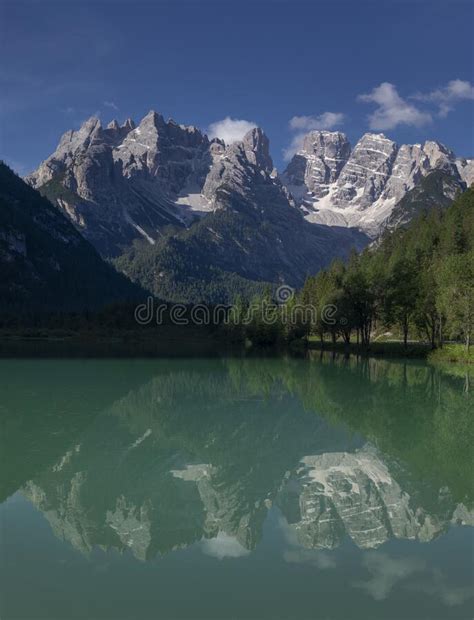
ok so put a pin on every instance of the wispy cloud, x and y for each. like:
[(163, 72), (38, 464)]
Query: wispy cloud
[(303, 124), (448, 96), (230, 129), (111, 104), (321, 559), (223, 546), (326, 120), (387, 572), (408, 573), (392, 110)]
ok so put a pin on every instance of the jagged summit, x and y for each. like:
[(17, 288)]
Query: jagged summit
[(338, 185), (126, 181), (257, 149), (129, 124), (317, 164), (122, 182)]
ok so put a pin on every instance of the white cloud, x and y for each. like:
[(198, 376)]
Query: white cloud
[(447, 96), (438, 586), (327, 120), (295, 145), (230, 129), (320, 559), (386, 573), (111, 104), (408, 573), (392, 109), (303, 124), (223, 546), (295, 553)]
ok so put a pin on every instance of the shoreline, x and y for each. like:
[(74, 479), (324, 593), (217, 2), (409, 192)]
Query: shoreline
[(452, 353), (193, 343)]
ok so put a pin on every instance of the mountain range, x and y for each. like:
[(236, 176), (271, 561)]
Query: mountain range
[(191, 219), (363, 186)]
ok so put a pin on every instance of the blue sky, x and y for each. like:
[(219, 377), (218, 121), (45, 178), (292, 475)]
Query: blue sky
[(401, 67)]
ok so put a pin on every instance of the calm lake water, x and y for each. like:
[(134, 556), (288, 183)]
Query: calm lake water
[(235, 488)]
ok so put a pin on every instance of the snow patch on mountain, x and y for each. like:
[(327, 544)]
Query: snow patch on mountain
[(127, 182), (336, 186)]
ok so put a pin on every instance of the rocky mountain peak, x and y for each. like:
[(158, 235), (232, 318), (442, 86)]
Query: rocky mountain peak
[(376, 142), (336, 186), (366, 172), (318, 163), (257, 149), (124, 181), (129, 124), (439, 156), (90, 124), (72, 140), (152, 119), (114, 133), (317, 141), (466, 170)]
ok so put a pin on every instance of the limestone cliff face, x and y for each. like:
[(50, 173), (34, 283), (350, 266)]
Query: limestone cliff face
[(222, 212), (155, 180), (361, 188), (335, 495), (123, 182)]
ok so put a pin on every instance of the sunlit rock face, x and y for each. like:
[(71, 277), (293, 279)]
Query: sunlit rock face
[(318, 164), (224, 206), (335, 495), (337, 186), (124, 182), (152, 181), (129, 182)]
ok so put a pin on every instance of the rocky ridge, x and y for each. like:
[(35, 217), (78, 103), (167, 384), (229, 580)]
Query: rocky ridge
[(254, 234), (126, 182), (339, 186)]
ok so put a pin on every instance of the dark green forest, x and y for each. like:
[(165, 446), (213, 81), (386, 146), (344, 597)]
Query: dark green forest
[(46, 265), (416, 283)]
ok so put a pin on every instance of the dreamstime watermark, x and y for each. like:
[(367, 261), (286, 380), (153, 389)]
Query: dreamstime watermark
[(277, 310)]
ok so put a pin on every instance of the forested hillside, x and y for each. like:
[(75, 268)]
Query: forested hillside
[(45, 264), (417, 282)]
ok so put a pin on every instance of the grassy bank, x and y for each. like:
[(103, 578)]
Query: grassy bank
[(449, 353), (452, 353)]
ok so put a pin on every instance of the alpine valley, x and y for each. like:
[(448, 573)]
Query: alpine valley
[(192, 219)]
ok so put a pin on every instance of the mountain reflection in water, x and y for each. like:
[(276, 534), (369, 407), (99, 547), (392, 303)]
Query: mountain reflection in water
[(154, 456)]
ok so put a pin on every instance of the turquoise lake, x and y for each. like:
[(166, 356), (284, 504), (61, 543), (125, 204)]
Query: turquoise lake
[(240, 488)]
